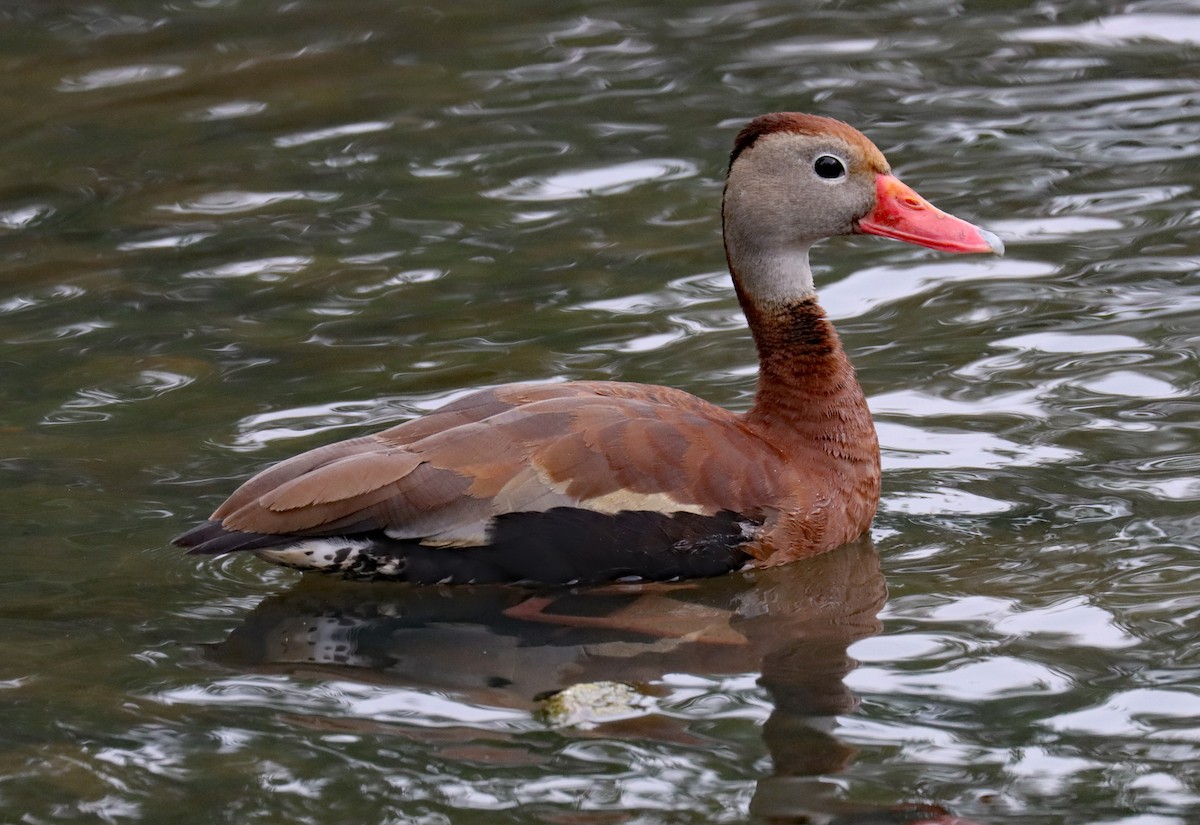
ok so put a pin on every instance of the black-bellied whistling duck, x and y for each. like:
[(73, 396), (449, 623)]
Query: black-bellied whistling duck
[(594, 481)]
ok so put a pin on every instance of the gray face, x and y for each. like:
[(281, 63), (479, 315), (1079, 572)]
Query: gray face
[(785, 193)]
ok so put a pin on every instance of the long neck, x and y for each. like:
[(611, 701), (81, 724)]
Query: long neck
[(805, 378), (807, 390), (810, 406)]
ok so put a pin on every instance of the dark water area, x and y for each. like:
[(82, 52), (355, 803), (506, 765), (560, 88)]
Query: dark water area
[(230, 231)]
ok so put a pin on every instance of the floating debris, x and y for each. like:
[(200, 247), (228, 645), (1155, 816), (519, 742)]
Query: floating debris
[(591, 703)]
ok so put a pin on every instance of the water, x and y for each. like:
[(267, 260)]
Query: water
[(233, 230)]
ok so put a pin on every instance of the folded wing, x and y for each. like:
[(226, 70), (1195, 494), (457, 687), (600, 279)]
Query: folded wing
[(443, 480)]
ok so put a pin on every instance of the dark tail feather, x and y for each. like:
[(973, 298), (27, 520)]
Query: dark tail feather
[(210, 538)]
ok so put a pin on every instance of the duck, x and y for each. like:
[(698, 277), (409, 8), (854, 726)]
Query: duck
[(589, 482)]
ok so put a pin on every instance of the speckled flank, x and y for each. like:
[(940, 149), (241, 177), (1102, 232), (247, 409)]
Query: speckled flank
[(353, 558)]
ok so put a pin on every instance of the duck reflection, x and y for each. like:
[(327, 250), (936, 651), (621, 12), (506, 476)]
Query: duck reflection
[(509, 647)]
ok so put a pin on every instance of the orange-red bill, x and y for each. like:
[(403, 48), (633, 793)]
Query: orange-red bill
[(902, 214)]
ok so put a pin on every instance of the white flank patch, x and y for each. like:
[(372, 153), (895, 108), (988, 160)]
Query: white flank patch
[(615, 502), (624, 500), (316, 554)]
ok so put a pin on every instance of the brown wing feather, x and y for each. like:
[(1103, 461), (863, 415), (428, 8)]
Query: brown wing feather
[(518, 448), (296, 466), (342, 479)]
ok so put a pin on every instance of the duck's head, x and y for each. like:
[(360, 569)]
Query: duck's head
[(795, 179)]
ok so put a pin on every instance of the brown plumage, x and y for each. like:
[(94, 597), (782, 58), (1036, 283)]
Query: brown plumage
[(592, 481)]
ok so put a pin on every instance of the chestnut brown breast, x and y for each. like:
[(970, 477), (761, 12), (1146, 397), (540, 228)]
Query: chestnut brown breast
[(594, 481)]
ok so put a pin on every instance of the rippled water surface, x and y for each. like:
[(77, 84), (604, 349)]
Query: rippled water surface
[(233, 230)]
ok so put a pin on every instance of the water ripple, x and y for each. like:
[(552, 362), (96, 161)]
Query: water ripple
[(233, 202), (263, 269), (1130, 714), (118, 76), (1118, 30), (604, 180), (331, 133)]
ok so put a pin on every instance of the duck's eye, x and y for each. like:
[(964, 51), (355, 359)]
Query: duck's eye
[(829, 167)]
